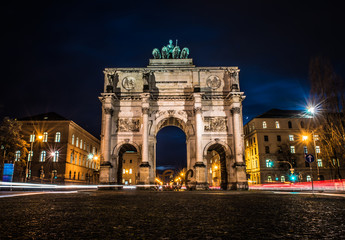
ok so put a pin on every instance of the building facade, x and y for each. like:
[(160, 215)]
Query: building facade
[(60, 151), (205, 102), (278, 141)]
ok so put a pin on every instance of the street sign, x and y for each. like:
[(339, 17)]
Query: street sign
[(309, 158), (8, 172)]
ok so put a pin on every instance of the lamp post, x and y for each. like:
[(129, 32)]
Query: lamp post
[(305, 138), (312, 111), (28, 164)]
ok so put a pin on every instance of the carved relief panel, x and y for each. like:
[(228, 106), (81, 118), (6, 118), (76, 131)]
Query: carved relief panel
[(128, 125), (215, 124)]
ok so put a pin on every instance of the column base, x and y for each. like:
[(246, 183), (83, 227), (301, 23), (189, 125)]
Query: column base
[(238, 186), (104, 175), (144, 173), (200, 176)]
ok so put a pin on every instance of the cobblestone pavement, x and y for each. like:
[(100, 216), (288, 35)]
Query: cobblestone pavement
[(172, 215)]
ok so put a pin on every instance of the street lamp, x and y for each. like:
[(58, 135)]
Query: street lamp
[(312, 110), (28, 164)]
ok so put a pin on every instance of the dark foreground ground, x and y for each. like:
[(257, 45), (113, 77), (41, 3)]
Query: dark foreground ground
[(172, 215)]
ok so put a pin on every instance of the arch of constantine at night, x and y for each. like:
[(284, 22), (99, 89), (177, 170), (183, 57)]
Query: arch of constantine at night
[(205, 102)]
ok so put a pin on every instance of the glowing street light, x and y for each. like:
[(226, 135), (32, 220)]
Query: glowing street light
[(311, 110), (304, 138)]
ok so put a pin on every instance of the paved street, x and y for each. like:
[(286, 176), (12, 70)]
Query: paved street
[(172, 215)]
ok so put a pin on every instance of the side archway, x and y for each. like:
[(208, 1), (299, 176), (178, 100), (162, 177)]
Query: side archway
[(127, 159), (217, 155)]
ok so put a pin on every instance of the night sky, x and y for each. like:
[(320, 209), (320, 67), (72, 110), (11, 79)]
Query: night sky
[(54, 53)]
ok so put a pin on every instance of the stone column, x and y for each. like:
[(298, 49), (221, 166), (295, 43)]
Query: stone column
[(145, 165), (106, 165), (145, 148), (241, 178), (200, 167), (198, 135)]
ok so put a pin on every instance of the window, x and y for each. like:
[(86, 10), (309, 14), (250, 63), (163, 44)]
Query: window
[(73, 139), (210, 170), (130, 180), (57, 137), (17, 156), (267, 149), (302, 124), (81, 143), (269, 179), (77, 142), (277, 124), (289, 124), (130, 161), (71, 157), (266, 138), (130, 171), (247, 144), (76, 158), (93, 150), (282, 178), (254, 139), (70, 174), (319, 162), (317, 149), (30, 155), (32, 137), (124, 161), (45, 137), (264, 124), (123, 171), (43, 156), (316, 137), (79, 159), (308, 178), (279, 138), (292, 149), (253, 126), (291, 138), (269, 163), (85, 145), (305, 149), (56, 156)]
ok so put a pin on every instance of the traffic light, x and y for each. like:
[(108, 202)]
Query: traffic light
[(293, 177)]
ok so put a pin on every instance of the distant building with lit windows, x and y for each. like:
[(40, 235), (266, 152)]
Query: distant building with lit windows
[(130, 168), (274, 143), (62, 151)]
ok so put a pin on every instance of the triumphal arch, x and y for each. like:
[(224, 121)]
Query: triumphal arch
[(205, 102)]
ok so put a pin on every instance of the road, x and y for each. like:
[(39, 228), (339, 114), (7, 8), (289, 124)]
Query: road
[(135, 214)]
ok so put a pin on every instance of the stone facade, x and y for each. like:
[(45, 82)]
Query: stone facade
[(66, 154), (205, 102)]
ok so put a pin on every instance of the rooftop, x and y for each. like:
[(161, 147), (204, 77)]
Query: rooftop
[(51, 116), (278, 113)]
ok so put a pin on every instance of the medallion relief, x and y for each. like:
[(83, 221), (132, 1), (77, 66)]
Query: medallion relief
[(128, 125), (213, 82), (128, 83), (215, 124)]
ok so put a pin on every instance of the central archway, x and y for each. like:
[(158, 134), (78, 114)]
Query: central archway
[(171, 145), (171, 152)]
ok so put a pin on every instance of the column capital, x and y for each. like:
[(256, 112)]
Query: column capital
[(236, 110), (108, 111), (145, 110), (197, 110)]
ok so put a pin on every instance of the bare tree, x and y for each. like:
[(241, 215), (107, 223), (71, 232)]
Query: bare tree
[(328, 95)]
